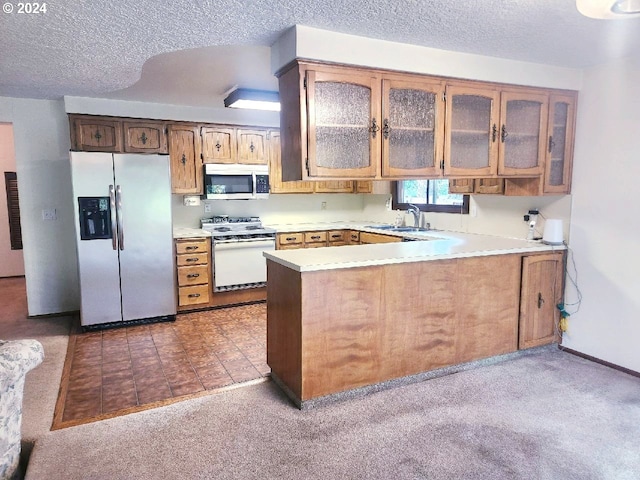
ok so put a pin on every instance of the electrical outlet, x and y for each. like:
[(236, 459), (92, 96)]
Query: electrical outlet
[(207, 207), (49, 214), (323, 206)]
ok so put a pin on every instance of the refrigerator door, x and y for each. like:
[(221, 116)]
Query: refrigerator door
[(147, 270), (98, 268)]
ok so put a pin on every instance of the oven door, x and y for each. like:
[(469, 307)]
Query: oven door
[(240, 263)]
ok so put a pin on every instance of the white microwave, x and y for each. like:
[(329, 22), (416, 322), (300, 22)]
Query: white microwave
[(236, 182)]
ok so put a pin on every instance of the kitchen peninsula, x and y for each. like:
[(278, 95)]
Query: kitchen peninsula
[(345, 317)]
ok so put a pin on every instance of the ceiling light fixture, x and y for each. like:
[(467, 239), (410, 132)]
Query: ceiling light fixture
[(609, 9), (253, 99)]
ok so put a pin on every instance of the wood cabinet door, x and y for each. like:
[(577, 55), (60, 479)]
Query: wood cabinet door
[(461, 185), (559, 156), (219, 145), (493, 186), (471, 131), (363, 186), (541, 291), (412, 128), (276, 185), (343, 114), (97, 134), (523, 133), (252, 147), (334, 186), (145, 137), (186, 164)]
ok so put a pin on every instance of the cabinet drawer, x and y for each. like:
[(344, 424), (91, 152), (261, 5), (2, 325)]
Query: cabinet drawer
[(337, 236), (192, 259), (290, 238), (195, 275), (354, 237), (291, 246), (193, 295), (314, 237), (193, 246)]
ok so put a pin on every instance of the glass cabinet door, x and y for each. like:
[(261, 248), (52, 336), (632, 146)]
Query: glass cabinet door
[(557, 178), (412, 128), (343, 124), (522, 133), (471, 145)]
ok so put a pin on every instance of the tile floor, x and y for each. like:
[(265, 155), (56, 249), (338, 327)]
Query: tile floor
[(117, 369)]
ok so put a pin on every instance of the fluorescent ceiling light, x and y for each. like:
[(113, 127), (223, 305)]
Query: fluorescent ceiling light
[(253, 99), (609, 9)]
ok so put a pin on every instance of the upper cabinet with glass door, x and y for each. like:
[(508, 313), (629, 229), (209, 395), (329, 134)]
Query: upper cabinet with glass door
[(412, 127), (523, 129), (557, 175), (356, 123), (471, 134), (344, 124)]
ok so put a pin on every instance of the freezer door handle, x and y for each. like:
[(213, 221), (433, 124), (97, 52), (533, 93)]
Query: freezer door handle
[(119, 216), (114, 228)]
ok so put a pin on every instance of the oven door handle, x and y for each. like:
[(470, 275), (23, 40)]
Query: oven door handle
[(242, 240), (234, 245)]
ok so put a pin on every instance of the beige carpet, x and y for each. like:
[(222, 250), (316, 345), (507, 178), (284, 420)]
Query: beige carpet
[(548, 415), (42, 383)]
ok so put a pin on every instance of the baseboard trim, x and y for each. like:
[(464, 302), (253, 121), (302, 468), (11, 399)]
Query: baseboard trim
[(600, 361)]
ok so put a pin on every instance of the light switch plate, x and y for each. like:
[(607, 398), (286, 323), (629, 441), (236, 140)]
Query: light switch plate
[(49, 214)]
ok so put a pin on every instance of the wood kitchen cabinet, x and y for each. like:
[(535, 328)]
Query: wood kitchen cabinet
[(219, 144), (95, 134), (493, 132), (252, 146), (193, 272), (367, 237), (145, 137), (561, 131), (493, 186), (184, 154), (275, 171), (358, 123), (541, 290)]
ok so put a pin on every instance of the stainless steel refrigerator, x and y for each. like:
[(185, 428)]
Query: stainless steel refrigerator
[(124, 238)]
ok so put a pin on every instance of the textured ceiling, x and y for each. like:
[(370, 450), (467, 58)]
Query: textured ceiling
[(79, 47)]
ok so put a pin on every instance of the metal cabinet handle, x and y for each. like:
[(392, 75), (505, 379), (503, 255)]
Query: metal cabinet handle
[(194, 295), (494, 133), (315, 237), (290, 239), (374, 128), (195, 259), (504, 133), (551, 143), (336, 236), (386, 128), (192, 248), (540, 300), (193, 275)]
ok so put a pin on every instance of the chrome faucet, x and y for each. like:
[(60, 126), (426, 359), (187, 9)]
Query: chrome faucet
[(415, 211)]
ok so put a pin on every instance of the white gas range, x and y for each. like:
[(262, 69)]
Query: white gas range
[(237, 245)]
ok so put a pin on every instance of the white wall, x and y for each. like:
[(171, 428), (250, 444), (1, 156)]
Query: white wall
[(41, 136), (605, 229), (12, 262), (313, 43), (494, 214)]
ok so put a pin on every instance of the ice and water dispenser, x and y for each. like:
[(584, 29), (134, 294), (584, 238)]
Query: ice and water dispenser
[(95, 218)]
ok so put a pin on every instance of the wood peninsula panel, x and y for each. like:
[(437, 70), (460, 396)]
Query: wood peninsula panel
[(284, 329), (361, 326)]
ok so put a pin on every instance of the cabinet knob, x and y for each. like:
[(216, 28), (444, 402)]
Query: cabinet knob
[(551, 143)]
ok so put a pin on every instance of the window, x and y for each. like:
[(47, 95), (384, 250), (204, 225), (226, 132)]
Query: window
[(429, 196), (15, 232)]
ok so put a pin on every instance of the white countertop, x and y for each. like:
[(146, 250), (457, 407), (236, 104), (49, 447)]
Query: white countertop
[(437, 245), (184, 232)]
